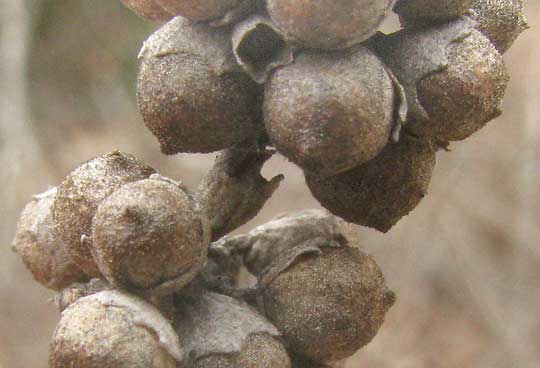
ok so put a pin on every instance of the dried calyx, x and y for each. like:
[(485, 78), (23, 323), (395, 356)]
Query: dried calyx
[(111, 329), (150, 236), (191, 93), (218, 331), (453, 77), (234, 191), (41, 250), (331, 111), (80, 194)]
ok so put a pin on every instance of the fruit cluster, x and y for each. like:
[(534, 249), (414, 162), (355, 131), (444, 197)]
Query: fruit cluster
[(146, 272), (362, 113)]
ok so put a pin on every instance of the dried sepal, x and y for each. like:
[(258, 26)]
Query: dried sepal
[(260, 48), (380, 192), (222, 11), (502, 21), (41, 250), (191, 93), (111, 329), (453, 77), (234, 191), (148, 9), (218, 331), (80, 194), (78, 290), (150, 236), (328, 24), (415, 12), (330, 111)]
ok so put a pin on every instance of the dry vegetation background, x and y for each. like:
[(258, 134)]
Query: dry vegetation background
[(465, 264)]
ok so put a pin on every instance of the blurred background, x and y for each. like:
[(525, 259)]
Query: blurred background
[(465, 265)]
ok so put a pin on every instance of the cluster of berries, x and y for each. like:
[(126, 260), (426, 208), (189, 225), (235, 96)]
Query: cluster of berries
[(141, 285), (361, 112), (146, 274)]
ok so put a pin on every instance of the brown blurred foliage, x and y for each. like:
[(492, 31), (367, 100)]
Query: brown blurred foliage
[(465, 265)]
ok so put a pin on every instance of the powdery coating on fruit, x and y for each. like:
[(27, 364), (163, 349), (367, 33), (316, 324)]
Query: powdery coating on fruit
[(80, 194), (328, 306), (148, 9), (330, 111), (42, 252), (147, 233), (437, 10), (200, 10), (218, 325), (113, 330), (465, 96), (502, 21), (379, 193), (269, 241), (191, 93), (259, 47), (328, 24)]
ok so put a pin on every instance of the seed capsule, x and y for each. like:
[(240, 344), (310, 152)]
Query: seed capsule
[(42, 252), (150, 235), (202, 10), (453, 77), (380, 192), (329, 112), (328, 24), (80, 194), (327, 298), (114, 330), (422, 11), (221, 332), (192, 95), (148, 9), (502, 21)]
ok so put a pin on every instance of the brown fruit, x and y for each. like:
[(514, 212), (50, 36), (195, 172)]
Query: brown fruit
[(201, 10), (192, 95), (328, 24), (150, 235), (80, 194), (380, 192), (149, 9), (42, 252), (330, 111), (326, 305), (502, 21), (420, 11), (453, 77), (114, 330), (221, 332)]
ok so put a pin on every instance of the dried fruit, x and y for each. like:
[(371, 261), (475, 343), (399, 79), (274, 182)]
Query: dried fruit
[(149, 9), (191, 93), (453, 77), (380, 192), (111, 329), (150, 235), (326, 298), (330, 111), (502, 21), (420, 11), (221, 332), (202, 10), (42, 252), (80, 194), (328, 24)]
